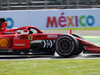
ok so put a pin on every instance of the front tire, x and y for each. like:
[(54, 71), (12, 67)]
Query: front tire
[(66, 45), (81, 47)]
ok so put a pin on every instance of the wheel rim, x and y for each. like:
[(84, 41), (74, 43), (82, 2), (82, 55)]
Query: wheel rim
[(64, 45)]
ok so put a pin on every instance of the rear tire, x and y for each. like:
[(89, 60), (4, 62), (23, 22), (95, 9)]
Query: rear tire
[(66, 45)]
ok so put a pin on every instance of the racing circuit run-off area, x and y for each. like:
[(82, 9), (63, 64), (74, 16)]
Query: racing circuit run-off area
[(30, 40)]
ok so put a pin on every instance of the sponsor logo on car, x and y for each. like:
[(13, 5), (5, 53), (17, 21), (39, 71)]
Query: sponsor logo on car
[(52, 36), (19, 44), (4, 42), (30, 37)]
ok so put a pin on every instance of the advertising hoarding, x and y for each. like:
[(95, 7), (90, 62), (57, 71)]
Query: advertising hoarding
[(52, 19)]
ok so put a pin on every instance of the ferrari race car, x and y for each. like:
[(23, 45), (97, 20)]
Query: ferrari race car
[(31, 40)]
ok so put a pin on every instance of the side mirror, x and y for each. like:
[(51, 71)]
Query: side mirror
[(25, 30)]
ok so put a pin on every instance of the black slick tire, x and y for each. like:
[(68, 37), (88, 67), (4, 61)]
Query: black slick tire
[(66, 45)]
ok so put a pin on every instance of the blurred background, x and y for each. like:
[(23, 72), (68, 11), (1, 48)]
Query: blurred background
[(46, 14), (47, 4)]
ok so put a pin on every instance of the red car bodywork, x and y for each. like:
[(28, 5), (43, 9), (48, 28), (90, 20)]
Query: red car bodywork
[(14, 40), (21, 41)]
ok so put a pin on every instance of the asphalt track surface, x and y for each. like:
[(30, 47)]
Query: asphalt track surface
[(92, 36)]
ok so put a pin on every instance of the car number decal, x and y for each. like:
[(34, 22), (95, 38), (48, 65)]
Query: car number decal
[(30, 37)]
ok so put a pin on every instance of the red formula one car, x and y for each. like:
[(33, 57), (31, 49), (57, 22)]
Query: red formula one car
[(29, 39)]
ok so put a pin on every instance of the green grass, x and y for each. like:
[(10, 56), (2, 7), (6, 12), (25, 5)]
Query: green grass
[(51, 67), (88, 28)]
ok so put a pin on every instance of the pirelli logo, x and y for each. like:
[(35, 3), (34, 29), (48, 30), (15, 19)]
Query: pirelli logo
[(30, 37)]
